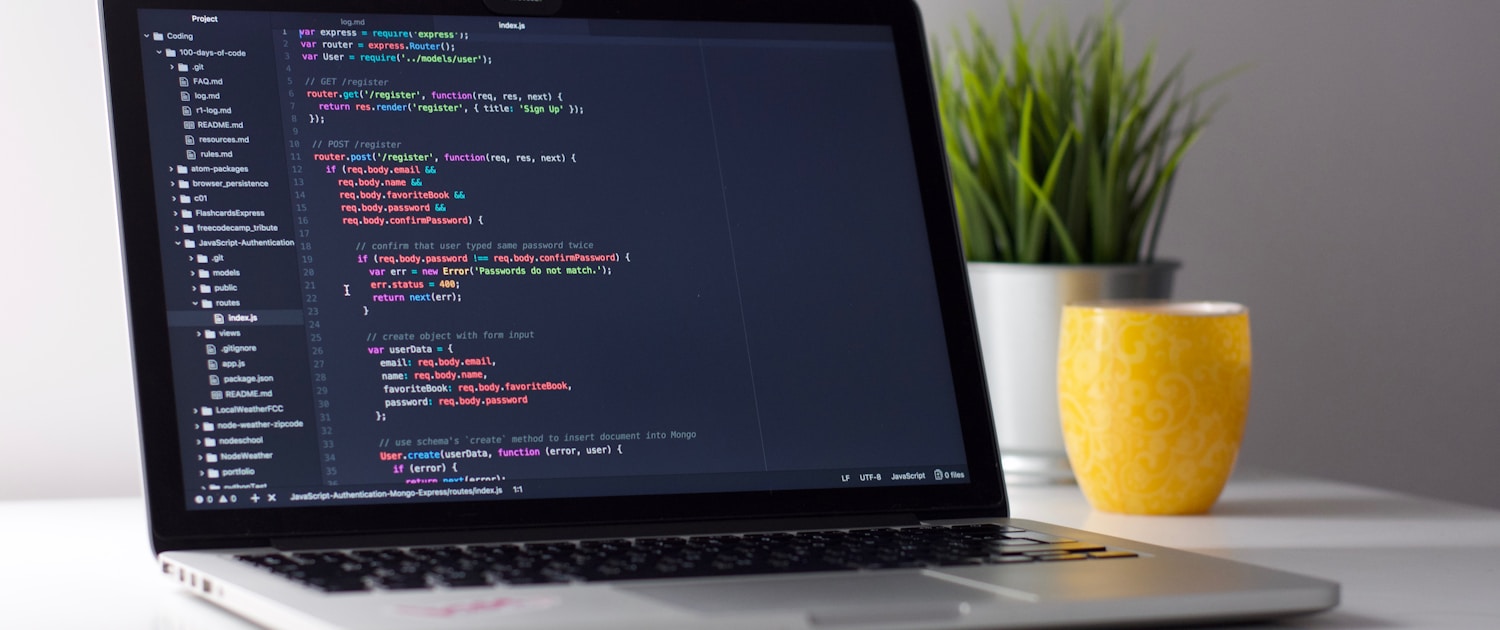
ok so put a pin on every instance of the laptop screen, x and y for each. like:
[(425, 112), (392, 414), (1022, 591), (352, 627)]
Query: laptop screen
[(411, 258)]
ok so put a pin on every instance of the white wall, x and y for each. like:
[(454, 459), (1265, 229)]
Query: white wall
[(1348, 193), (67, 419)]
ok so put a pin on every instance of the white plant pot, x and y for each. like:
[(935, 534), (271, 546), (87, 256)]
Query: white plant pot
[(1018, 309)]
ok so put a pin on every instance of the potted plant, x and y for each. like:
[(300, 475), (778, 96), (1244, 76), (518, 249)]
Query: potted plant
[(1062, 158)]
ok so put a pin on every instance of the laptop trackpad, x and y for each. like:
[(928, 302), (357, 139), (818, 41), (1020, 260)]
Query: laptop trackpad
[(829, 600)]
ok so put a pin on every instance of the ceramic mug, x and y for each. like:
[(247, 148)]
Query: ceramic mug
[(1153, 399)]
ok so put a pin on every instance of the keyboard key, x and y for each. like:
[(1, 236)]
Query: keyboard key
[(1072, 547), (1016, 559)]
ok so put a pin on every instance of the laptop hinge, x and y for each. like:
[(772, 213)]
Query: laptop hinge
[(965, 515), (624, 530)]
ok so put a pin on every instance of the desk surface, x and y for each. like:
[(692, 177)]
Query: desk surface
[(1404, 562)]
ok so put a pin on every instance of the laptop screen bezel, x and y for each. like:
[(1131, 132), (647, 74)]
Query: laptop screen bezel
[(175, 527)]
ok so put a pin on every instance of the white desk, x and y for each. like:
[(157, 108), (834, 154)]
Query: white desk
[(1404, 562)]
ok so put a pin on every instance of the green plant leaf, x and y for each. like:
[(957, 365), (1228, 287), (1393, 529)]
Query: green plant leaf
[(1043, 195), (1056, 142)]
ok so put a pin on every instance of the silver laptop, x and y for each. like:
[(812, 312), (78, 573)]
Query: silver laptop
[(577, 313)]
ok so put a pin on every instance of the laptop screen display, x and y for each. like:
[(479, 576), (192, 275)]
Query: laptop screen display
[(430, 258)]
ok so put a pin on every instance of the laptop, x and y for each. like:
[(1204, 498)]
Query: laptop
[(577, 313)]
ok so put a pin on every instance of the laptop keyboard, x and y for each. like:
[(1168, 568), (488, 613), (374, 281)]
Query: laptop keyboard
[(674, 557)]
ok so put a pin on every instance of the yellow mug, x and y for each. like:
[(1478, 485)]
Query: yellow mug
[(1153, 398)]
